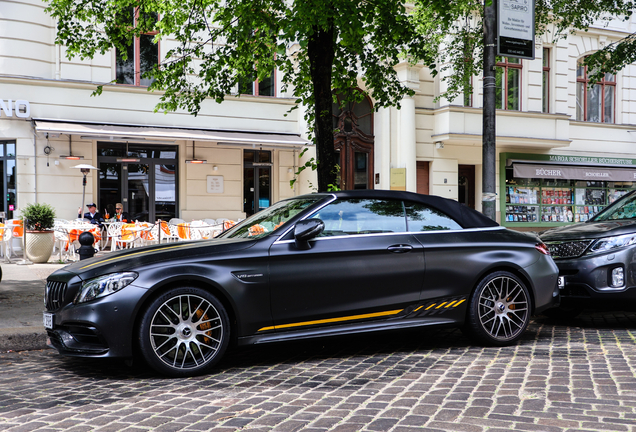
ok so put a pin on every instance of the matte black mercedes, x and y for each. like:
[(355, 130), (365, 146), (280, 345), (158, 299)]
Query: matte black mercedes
[(310, 266), (596, 259)]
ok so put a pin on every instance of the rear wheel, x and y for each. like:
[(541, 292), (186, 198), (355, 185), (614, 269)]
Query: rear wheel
[(184, 332), (499, 310)]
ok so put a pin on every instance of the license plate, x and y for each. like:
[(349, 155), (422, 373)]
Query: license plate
[(48, 320), (561, 283)]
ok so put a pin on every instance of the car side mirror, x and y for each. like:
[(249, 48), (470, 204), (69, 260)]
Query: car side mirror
[(307, 229)]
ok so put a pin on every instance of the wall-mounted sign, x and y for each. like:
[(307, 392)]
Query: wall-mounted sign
[(574, 172), (20, 108), (215, 184), (515, 28), (398, 179)]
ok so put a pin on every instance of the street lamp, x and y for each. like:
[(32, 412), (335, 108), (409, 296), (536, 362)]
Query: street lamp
[(85, 169)]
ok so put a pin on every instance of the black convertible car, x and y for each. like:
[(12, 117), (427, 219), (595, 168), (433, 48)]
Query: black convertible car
[(310, 266)]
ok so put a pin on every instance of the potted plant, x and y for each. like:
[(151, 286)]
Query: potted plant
[(39, 234)]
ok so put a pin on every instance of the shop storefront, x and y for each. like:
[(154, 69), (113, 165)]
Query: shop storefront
[(542, 191)]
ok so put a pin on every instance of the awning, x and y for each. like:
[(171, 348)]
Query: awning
[(593, 173), (139, 133)]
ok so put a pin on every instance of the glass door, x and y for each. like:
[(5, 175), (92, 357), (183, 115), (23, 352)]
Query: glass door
[(138, 192), (147, 188), (8, 174), (257, 174)]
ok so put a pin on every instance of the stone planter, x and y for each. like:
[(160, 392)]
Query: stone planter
[(39, 245)]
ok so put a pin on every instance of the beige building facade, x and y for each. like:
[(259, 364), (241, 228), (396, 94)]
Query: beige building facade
[(251, 147)]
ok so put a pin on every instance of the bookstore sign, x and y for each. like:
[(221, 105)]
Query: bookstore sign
[(515, 28), (574, 173)]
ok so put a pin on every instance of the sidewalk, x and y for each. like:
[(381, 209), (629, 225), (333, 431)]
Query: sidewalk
[(22, 304)]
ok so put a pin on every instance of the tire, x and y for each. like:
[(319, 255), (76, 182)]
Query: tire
[(499, 310), (184, 332)]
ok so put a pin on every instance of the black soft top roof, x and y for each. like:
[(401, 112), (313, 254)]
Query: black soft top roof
[(465, 216)]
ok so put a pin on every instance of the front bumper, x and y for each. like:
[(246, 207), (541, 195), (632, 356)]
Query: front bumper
[(100, 328), (588, 278)]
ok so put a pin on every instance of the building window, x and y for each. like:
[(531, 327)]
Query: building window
[(508, 81), (141, 55), (251, 85), (546, 80), (594, 103)]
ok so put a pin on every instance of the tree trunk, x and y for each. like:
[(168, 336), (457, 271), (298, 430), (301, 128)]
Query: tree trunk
[(320, 50)]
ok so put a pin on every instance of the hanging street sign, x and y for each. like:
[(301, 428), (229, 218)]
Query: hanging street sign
[(515, 28)]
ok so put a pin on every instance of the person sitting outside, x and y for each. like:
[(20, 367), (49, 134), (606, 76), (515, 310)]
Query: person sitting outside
[(120, 214), (92, 215)]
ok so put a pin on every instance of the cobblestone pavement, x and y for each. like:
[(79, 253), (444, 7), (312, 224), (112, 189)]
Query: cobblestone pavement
[(560, 377)]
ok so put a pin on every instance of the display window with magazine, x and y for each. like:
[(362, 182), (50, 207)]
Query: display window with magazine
[(549, 190)]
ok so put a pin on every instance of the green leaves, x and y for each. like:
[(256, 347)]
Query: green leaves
[(455, 30)]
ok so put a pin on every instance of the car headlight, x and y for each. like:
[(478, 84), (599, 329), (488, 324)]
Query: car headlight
[(609, 243), (104, 285)]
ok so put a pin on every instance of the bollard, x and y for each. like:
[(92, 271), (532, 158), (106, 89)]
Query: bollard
[(86, 249)]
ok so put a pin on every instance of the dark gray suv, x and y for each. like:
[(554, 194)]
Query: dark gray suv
[(596, 259)]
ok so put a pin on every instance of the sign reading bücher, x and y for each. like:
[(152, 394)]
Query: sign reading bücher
[(215, 184), (574, 173)]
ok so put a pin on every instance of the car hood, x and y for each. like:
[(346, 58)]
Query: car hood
[(590, 230), (130, 259)]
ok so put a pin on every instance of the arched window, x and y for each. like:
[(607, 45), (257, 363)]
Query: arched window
[(595, 103), (353, 140)]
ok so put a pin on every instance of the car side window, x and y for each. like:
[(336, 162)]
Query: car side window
[(362, 216), (423, 218)]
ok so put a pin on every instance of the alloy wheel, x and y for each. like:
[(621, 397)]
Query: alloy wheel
[(503, 308), (186, 332)]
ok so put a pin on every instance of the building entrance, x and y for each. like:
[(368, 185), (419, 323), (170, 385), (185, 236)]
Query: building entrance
[(143, 178)]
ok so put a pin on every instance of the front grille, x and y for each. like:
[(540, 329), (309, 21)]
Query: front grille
[(568, 249), (54, 295)]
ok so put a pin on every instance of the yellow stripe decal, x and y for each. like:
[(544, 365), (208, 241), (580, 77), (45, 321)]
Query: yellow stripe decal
[(332, 320), (441, 305), (460, 302), (450, 304), (418, 308), (133, 254), (430, 306)]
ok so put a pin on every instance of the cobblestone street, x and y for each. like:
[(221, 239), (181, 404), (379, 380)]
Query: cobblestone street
[(559, 378)]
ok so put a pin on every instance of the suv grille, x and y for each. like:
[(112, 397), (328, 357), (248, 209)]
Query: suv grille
[(54, 295), (568, 249)]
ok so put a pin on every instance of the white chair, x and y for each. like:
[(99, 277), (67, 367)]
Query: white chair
[(17, 232), (61, 239), (120, 238), (5, 241), (199, 230)]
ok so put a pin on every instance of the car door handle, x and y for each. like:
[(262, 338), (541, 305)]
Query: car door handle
[(400, 248)]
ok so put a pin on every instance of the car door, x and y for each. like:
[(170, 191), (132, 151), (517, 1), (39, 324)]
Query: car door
[(363, 265), (451, 252)]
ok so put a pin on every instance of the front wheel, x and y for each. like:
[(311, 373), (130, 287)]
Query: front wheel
[(499, 309), (184, 332)]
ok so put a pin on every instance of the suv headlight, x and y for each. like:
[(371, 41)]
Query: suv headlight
[(104, 285), (608, 243)]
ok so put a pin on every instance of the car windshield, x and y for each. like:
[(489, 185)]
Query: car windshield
[(269, 220), (624, 209)]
